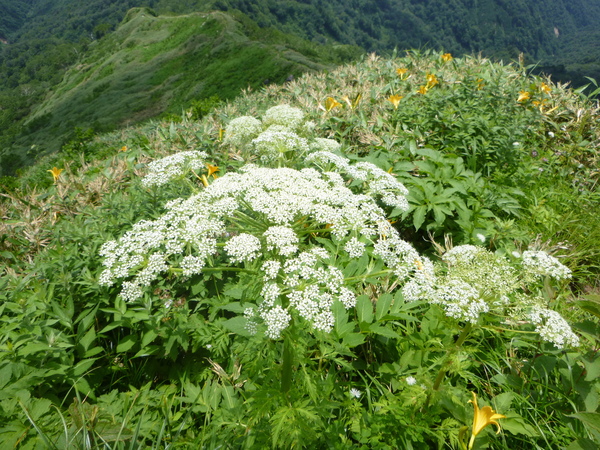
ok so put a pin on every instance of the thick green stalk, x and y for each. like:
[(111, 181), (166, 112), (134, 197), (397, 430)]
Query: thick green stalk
[(286, 366), (459, 342)]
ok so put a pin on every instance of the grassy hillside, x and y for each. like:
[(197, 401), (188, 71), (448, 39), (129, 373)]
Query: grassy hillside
[(342, 261), (155, 64)]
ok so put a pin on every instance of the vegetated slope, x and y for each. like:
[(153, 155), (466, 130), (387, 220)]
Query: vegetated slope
[(494, 27), (426, 121), (12, 16), (152, 64)]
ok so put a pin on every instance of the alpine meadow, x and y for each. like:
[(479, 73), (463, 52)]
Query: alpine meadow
[(382, 251)]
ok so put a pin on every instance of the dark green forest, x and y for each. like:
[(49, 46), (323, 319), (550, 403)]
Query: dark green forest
[(42, 40)]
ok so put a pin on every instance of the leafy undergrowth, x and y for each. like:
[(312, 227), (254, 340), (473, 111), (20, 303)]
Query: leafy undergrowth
[(344, 271)]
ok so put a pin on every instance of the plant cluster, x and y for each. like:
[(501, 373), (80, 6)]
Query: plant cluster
[(274, 276)]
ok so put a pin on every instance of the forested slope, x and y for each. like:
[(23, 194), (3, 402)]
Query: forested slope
[(45, 38)]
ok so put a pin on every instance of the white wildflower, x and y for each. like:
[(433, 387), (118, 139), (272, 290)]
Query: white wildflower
[(285, 115), (271, 269), (243, 247), (274, 142), (541, 264), (283, 239), (163, 170), (355, 393), (553, 328), (277, 320), (411, 381), (354, 248), (242, 130)]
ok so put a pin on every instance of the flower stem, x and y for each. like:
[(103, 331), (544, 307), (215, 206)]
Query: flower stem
[(286, 366), (459, 342)]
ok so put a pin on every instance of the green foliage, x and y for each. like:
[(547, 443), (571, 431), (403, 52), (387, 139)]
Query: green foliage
[(82, 368)]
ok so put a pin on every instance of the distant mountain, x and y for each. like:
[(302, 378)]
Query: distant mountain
[(153, 64), (106, 66)]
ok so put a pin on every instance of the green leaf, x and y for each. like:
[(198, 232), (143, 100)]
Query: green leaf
[(590, 420), (127, 343), (148, 337), (82, 366), (87, 340), (582, 444), (354, 339), (383, 305), (237, 325), (364, 309), (236, 292), (516, 424), (590, 306), (419, 216), (384, 331)]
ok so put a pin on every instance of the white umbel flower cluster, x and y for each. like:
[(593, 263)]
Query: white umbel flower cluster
[(163, 170), (553, 328), (479, 281), (277, 141), (540, 264), (379, 183), (264, 219), (242, 130)]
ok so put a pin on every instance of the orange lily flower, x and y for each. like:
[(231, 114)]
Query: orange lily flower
[(431, 80), (545, 88)]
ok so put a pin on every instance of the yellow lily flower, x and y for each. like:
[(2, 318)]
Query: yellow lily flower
[(447, 57), (352, 104), (423, 90), (55, 173), (431, 80), (523, 96), (212, 170), (401, 71), (545, 88), (395, 100), (482, 418), (331, 103), (123, 149)]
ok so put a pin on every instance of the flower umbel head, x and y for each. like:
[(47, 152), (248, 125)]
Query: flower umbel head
[(482, 418)]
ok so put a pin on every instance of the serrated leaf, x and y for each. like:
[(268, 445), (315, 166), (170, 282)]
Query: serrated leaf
[(419, 216), (364, 309), (354, 339), (237, 325), (384, 331), (382, 306)]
